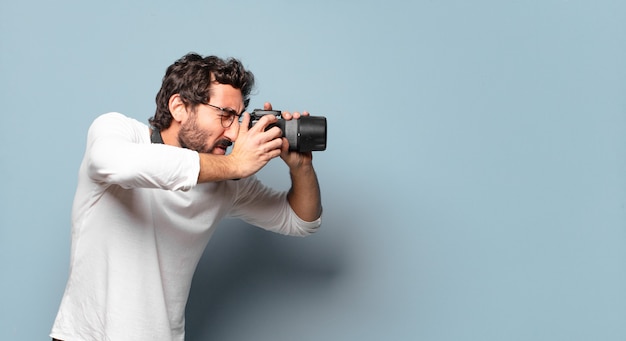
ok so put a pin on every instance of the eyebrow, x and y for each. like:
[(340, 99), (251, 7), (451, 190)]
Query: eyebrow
[(231, 111)]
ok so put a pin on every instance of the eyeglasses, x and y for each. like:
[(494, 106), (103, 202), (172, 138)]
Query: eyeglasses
[(227, 115)]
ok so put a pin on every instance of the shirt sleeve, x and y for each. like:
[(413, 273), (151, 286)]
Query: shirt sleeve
[(119, 152), (268, 208)]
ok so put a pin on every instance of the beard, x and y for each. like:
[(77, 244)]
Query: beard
[(194, 138)]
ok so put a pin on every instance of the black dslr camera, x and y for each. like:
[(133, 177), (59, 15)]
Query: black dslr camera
[(308, 133)]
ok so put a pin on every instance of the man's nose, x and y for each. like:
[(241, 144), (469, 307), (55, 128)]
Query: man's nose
[(232, 131)]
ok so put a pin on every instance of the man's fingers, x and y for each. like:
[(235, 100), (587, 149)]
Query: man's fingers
[(264, 121)]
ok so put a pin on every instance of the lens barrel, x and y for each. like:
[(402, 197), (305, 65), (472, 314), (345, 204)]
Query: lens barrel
[(305, 134)]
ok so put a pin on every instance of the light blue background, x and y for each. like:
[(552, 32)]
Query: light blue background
[(474, 183)]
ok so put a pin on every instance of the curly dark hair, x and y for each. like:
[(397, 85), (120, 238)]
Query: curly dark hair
[(191, 76)]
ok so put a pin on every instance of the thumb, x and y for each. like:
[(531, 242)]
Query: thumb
[(245, 122)]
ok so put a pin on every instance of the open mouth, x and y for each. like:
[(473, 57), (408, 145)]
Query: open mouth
[(222, 146)]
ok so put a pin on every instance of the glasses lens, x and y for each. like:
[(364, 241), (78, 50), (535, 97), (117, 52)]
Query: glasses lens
[(227, 120), (227, 116)]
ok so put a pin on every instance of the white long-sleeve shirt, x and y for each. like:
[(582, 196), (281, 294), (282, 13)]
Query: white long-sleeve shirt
[(140, 223)]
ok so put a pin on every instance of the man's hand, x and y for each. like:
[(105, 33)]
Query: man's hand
[(293, 159), (255, 146)]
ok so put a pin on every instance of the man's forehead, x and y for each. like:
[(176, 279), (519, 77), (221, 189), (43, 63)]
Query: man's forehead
[(231, 96)]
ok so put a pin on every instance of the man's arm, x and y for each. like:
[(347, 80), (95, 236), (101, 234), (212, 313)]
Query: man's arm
[(304, 196), (118, 152), (216, 168)]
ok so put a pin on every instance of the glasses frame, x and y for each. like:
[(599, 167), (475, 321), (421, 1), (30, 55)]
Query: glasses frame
[(227, 115)]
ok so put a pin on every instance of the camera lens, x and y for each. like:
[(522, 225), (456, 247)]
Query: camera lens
[(306, 134)]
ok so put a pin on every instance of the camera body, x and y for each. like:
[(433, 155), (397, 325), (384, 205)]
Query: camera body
[(306, 134)]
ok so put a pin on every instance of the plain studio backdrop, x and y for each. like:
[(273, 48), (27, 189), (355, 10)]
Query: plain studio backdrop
[(474, 185)]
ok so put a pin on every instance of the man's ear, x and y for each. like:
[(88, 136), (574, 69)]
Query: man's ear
[(178, 109)]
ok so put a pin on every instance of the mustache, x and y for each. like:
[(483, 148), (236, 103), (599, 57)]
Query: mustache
[(224, 143)]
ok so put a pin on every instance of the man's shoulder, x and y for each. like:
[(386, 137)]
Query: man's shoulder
[(116, 119), (117, 123)]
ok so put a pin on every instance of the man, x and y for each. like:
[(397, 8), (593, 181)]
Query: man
[(149, 198)]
